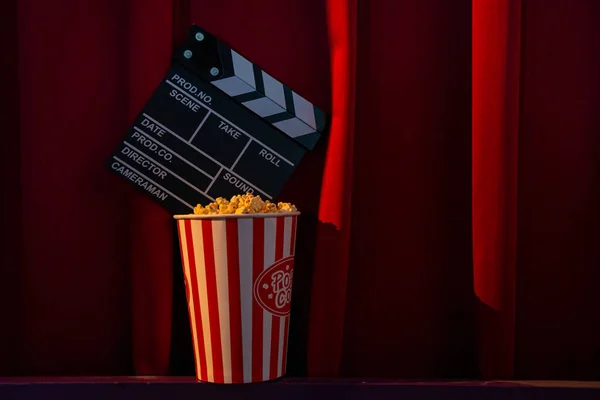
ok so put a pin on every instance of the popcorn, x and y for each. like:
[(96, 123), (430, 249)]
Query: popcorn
[(286, 207), (270, 207), (243, 204), (243, 210)]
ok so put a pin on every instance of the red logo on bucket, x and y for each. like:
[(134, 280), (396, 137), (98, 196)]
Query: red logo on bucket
[(273, 287)]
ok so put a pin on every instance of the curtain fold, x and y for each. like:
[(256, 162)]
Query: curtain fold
[(328, 295), (149, 44), (74, 273), (496, 75), (558, 228), (11, 258), (409, 302), (535, 169)]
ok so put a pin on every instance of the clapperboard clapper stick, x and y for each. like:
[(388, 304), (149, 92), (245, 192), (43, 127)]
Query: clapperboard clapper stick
[(216, 126)]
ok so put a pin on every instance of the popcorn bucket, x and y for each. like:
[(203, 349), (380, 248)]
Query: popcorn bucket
[(238, 276)]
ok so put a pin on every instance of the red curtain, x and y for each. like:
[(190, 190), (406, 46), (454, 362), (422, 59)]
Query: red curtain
[(449, 222), (535, 187), (409, 301), (83, 250), (496, 80)]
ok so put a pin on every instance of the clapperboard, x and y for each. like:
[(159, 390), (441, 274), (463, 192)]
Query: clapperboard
[(216, 126)]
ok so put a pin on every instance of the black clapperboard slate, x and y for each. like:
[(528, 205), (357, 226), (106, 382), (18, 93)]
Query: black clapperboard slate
[(216, 126)]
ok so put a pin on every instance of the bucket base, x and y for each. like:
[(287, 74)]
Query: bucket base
[(242, 383)]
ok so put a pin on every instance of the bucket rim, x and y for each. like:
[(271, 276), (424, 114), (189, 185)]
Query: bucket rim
[(233, 216)]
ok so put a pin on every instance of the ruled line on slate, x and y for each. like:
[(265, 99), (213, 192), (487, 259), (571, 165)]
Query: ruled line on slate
[(173, 152), (214, 180), (191, 97), (199, 126), (172, 173), (209, 157), (242, 153), (153, 182)]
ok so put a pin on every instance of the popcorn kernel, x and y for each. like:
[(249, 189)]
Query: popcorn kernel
[(243, 204)]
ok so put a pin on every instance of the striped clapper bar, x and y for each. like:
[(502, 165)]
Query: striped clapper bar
[(270, 99), (217, 125), (259, 92)]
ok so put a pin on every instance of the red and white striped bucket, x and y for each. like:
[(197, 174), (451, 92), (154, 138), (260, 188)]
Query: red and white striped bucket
[(238, 276)]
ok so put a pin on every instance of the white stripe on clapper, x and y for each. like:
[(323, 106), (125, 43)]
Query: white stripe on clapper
[(293, 127), (201, 273), (192, 288), (246, 286), (273, 89), (270, 232), (263, 107), (220, 252), (233, 86), (304, 110), (243, 68)]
